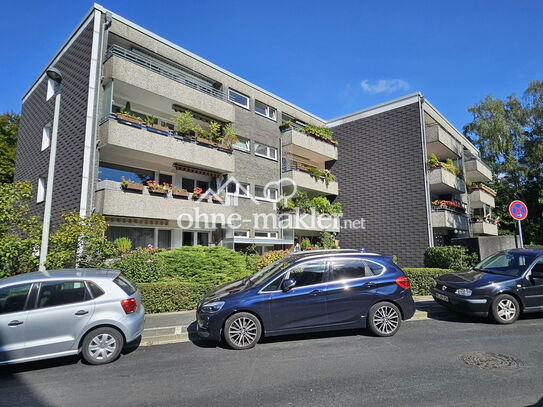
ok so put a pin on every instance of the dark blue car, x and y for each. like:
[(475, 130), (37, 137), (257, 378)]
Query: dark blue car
[(501, 286), (309, 292)]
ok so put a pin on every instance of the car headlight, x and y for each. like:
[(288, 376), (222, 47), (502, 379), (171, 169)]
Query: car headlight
[(212, 306), (434, 283), (464, 292)]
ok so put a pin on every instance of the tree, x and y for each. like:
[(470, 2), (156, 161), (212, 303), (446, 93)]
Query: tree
[(79, 242), (9, 128), (19, 233), (509, 134)]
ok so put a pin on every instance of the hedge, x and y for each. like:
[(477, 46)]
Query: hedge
[(422, 278), (449, 257), (172, 296)]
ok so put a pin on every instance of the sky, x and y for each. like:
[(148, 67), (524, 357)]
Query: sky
[(328, 57)]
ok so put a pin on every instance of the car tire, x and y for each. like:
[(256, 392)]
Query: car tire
[(102, 345), (384, 319), (505, 309), (242, 331)]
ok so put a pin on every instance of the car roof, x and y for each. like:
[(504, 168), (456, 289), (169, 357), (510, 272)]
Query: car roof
[(83, 273), (334, 252), (524, 251)]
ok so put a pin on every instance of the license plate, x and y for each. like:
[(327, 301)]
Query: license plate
[(441, 297)]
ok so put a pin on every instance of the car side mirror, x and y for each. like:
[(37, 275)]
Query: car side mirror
[(288, 284)]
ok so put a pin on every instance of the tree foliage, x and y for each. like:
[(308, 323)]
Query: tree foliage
[(509, 134), (19, 232), (9, 128)]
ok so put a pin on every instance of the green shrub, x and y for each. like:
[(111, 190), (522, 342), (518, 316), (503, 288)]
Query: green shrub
[(207, 265), (270, 257), (422, 278), (123, 244), (252, 261), (141, 265), (171, 296), (449, 257)]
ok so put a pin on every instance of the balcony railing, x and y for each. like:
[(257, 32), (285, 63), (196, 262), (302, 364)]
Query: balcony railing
[(167, 70)]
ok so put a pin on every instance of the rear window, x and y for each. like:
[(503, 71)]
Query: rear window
[(127, 286)]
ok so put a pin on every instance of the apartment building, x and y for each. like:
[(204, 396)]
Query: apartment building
[(126, 93)]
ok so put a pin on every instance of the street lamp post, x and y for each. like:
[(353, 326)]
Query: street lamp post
[(55, 75)]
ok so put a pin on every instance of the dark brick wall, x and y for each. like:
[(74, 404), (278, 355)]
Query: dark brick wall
[(381, 178), (31, 162)]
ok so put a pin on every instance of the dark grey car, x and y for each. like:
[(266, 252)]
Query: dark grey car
[(65, 312)]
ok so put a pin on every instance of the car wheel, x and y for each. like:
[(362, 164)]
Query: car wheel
[(242, 331), (384, 319), (102, 345), (505, 309)]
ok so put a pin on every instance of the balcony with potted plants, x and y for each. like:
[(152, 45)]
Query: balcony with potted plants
[(485, 225), (480, 195), (207, 145), (449, 215), (314, 142), (315, 214), (311, 178), (445, 177)]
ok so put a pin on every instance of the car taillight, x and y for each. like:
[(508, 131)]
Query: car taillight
[(129, 305), (403, 282)]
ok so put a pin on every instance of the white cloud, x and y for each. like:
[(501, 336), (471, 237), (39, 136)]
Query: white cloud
[(384, 85)]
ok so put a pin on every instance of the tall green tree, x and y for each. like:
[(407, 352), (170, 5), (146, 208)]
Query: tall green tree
[(9, 128), (509, 134)]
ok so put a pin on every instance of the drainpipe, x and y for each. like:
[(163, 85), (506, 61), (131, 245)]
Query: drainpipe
[(424, 164)]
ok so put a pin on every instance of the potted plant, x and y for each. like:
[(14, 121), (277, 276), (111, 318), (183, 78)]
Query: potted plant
[(130, 185), (196, 192), (128, 117), (180, 192), (184, 124), (228, 138), (285, 125), (155, 188)]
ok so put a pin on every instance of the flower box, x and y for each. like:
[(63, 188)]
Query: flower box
[(180, 193), (224, 147), (157, 191), (160, 128), (128, 119), (217, 199), (205, 141), (132, 186)]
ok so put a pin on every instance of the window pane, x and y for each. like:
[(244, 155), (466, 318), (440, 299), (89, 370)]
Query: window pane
[(345, 269), (261, 149), (164, 239), (188, 184), (232, 187), (273, 153), (68, 292), (95, 290), (242, 144), (140, 237), (203, 184), (244, 189), (127, 286), (260, 107), (236, 97), (272, 113), (203, 239), (114, 172), (308, 273), (188, 239), (165, 178), (272, 193), (261, 234), (259, 192), (13, 298)]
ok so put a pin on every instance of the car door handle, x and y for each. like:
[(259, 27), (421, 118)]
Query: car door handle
[(316, 292), (81, 312), (15, 323), (370, 285)]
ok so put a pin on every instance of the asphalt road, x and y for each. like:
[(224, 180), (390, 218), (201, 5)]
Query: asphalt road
[(420, 366)]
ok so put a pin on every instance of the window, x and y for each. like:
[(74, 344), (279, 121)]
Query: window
[(114, 172), (241, 233), (67, 292), (189, 184), (265, 110), (266, 235), (13, 298), (164, 178), (95, 290), (238, 98), (202, 239), (309, 273), (140, 237), (345, 269), (40, 195), (164, 239), (269, 194), (263, 150), (243, 144), (46, 138), (127, 286), (239, 189), (195, 238), (51, 84)]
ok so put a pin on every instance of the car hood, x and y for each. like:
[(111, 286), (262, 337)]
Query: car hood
[(226, 289), (472, 278)]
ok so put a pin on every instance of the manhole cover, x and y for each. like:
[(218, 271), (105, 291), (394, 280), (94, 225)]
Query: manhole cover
[(484, 360)]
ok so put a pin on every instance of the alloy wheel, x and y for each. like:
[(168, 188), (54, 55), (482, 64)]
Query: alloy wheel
[(386, 320), (243, 331), (102, 346), (506, 309)]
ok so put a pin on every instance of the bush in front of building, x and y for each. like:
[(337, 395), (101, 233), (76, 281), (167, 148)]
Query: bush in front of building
[(270, 257), (449, 257), (171, 296), (142, 265), (422, 279)]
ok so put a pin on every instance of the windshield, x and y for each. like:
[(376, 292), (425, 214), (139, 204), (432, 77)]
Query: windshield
[(508, 264), (268, 271)]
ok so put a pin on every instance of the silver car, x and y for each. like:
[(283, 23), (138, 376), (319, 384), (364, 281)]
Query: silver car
[(65, 312)]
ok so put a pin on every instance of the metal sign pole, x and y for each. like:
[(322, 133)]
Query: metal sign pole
[(521, 241)]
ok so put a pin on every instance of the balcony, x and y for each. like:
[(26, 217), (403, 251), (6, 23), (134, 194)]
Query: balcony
[(305, 181), (477, 170), (445, 182), (449, 219), (113, 201), (485, 228), (119, 140), (311, 222), (480, 195), (159, 78), (441, 143), (304, 145)]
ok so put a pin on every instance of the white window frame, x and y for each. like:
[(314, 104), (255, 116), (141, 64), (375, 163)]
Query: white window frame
[(241, 233), (239, 192), (40, 193), (267, 194), (243, 140), (269, 111), (51, 84), (46, 137), (269, 235), (246, 106), (269, 149)]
